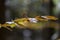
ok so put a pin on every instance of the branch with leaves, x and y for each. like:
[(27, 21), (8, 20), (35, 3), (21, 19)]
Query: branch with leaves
[(38, 22)]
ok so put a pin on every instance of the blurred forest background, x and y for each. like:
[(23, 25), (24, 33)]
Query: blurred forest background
[(30, 8)]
